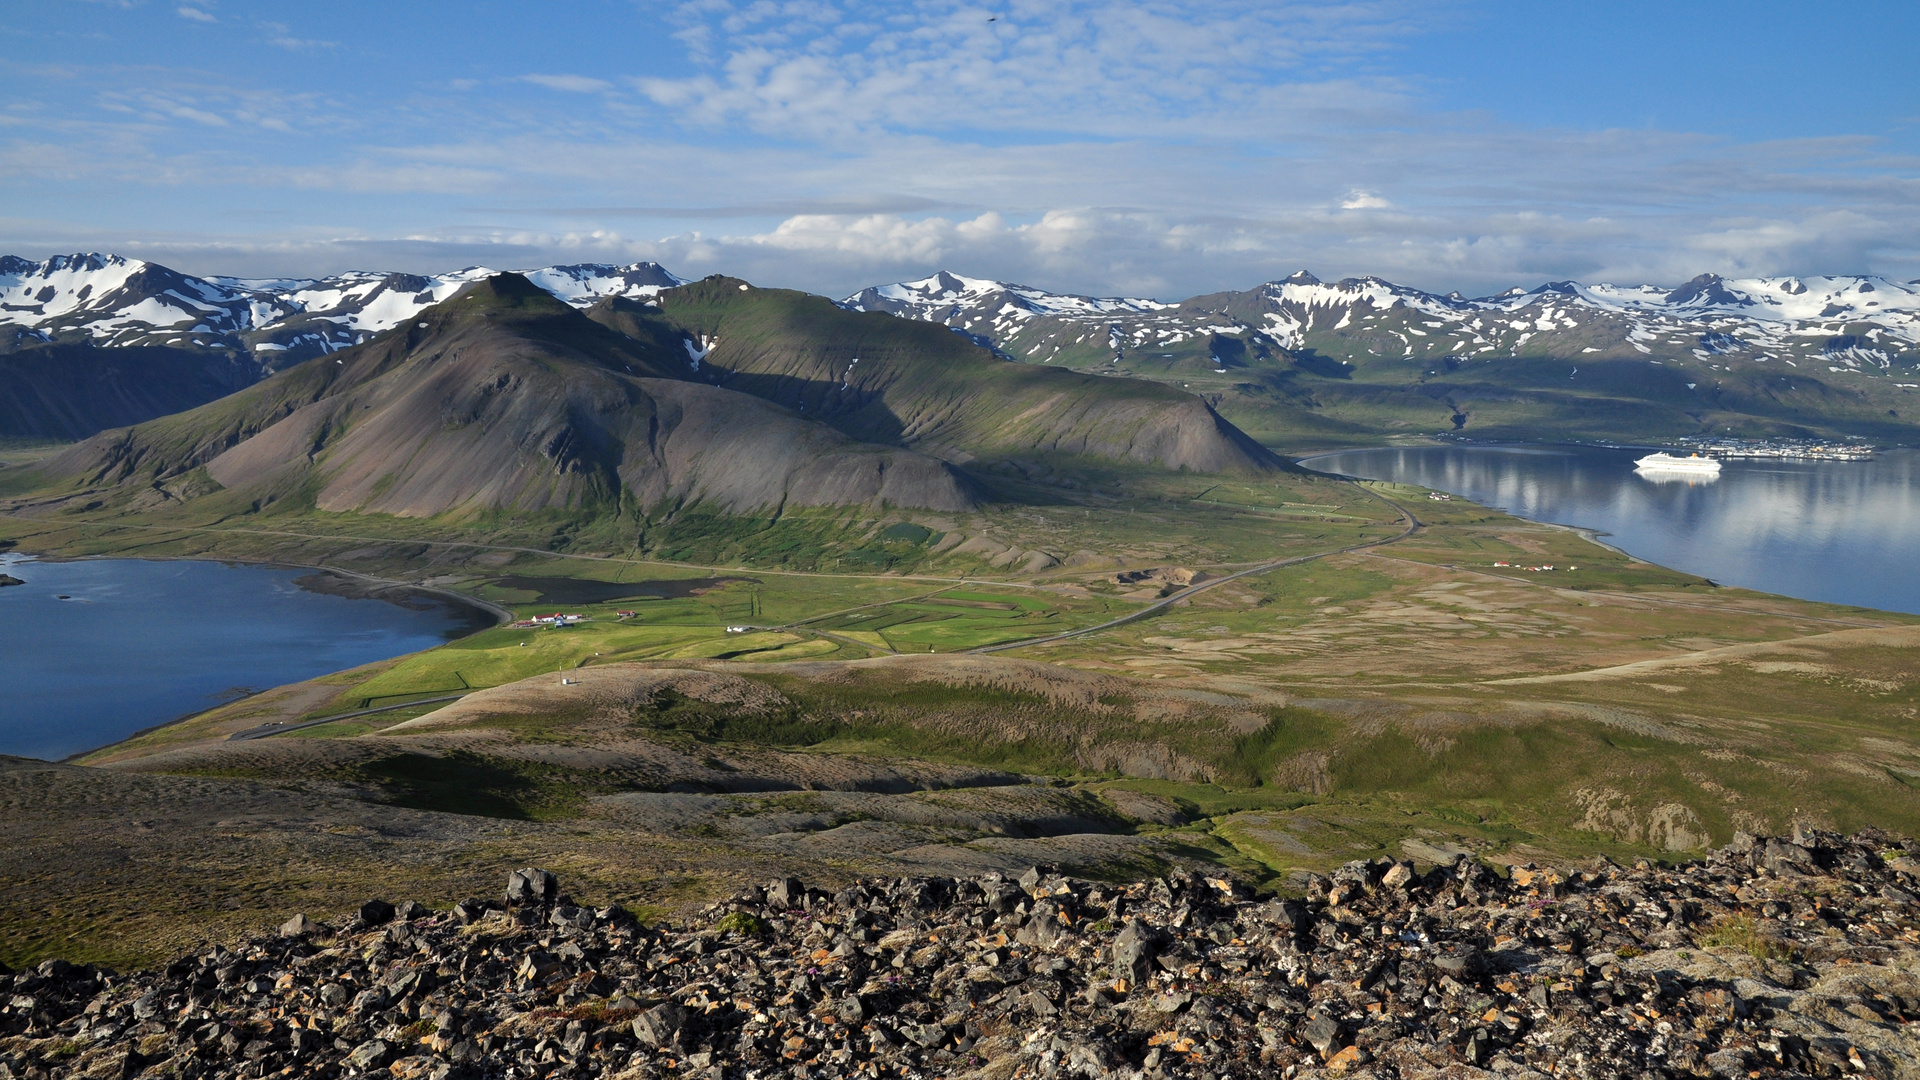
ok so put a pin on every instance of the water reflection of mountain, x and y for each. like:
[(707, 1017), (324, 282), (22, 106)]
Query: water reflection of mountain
[(1845, 531)]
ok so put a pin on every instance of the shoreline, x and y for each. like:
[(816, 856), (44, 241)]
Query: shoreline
[(1593, 534), (357, 586), (373, 586)]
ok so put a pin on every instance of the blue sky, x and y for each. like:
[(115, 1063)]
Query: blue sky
[(1160, 148)]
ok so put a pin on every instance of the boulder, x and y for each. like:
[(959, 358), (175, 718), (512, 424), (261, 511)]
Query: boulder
[(531, 886), (787, 894), (369, 1054), (1134, 951), (660, 1025)]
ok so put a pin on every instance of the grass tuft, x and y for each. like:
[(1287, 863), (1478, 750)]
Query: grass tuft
[(1742, 933), (740, 922)]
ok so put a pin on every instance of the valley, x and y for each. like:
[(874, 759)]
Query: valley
[(1408, 699), (927, 613)]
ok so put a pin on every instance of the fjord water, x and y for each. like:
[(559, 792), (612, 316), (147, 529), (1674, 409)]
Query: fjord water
[(95, 650), (1844, 532)]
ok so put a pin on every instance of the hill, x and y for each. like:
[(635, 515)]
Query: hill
[(887, 380), (502, 398), (1299, 361), (90, 342)]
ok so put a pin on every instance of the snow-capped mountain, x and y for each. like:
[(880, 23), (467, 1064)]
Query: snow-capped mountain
[(109, 300), (1866, 325), (989, 311), (943, 294)]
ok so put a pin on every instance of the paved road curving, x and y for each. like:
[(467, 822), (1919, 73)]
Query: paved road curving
[(265, 730)]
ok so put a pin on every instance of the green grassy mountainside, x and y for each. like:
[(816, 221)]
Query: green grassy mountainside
[(887, 380)]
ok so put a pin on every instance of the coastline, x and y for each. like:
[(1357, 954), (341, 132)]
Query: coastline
[(1719, 576), (370, 587), (477, 614)]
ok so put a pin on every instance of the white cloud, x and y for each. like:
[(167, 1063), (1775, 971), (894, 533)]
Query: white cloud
[(838, 67), (195, 14), (294, 44), (1364, 200), (573, 84), (198, 116), (281, 36), (1089, 249)]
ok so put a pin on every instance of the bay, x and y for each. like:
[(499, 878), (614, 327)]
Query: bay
[(1844, 532), (95, 650)]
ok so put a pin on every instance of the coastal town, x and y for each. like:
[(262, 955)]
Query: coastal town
[(1779, 449)]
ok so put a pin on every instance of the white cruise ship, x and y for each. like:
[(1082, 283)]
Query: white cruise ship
[(1664, 462)]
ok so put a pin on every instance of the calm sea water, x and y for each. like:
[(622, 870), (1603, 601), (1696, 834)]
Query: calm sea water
[(1840, 531), (95, 650)]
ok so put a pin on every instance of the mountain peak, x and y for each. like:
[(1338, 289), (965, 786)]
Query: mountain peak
[(1561, 288), (1707, 290), (1300, 277), (509, 291), (87, 260)]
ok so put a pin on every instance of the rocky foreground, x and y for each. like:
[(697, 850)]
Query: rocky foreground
[(1769, 958)]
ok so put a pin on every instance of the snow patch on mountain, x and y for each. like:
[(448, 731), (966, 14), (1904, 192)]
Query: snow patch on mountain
[(112, 300), (1709, 315), (1003, 299)]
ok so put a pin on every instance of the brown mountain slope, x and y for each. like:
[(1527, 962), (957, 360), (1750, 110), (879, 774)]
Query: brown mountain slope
[(502, 399), (888, 380), (70, 391)]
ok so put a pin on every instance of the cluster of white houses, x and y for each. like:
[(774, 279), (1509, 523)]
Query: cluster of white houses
[(555, 620)]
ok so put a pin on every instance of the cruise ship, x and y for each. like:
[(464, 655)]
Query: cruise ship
[(1664, 462)]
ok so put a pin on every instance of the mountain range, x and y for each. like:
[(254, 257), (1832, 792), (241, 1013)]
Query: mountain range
[(109, 300), (503, 398), (1874, 320), (92, 341), (1294, 359)]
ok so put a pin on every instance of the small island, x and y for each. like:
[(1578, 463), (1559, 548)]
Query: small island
[(9, 579)]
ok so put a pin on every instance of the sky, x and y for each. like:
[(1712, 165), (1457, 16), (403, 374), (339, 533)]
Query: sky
[(1163, 148)]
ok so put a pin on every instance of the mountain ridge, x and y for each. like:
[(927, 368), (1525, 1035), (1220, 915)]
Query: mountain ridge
[(1301, 362), (891, 381), (483, 406), (116, 301), (1796, 301), (1294, 362)]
